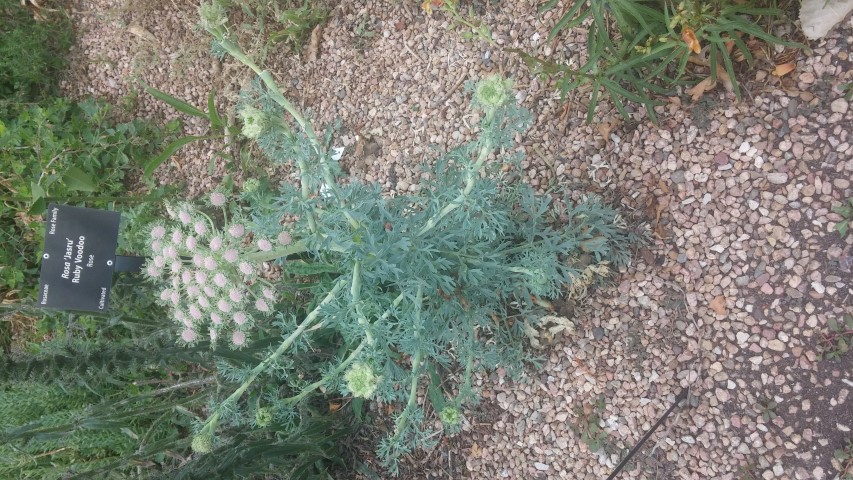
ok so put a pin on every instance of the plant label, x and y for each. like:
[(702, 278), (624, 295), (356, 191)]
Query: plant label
[(79, 258)]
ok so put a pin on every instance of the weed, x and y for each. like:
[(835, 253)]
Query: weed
[(747, 472), (846, 212), (588, 425), (767, 408), (32, 52), (842, 460), (637, 50), (837, 340)]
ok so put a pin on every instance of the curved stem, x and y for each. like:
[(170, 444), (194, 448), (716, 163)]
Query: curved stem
[(334, 373), (265, 364), (403, 419)]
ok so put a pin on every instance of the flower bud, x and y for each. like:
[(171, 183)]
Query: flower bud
[(203, 443), (361, 380)]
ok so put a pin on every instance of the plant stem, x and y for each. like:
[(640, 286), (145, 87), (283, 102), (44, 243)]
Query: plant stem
[(471, 178), (403, 419), (310, 388), (262, 367)]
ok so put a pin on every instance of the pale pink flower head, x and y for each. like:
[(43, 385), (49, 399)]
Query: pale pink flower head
[(175, 298), (284, 238), (269, 293), (157, 246), (213, 335), (165, 294), (231, 255), (170, 252), (246, 268), (216, 318), (160, 261), (216, 243), (264, 245), (193, 291), (261, 305), (198, 260), (240, 318), (235, 295), (217, 199), (158, 232), (223, 306), (238, 338), (179, 315), (186, 277), (220, 280), (195, 312), (189, 335), (209, 291), (210, 263), (152, 270), (203, 302), (191, 243), (184, 217), (200, 228), (177, 237), (236, 230), (200, 277), (177, 265)]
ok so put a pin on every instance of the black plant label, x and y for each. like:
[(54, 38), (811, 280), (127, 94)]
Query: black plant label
[(79, 258)]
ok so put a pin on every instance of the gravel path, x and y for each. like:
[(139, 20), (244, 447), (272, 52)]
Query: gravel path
[(730, 300)]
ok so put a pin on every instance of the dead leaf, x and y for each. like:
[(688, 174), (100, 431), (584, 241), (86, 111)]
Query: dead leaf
[(718, 305), (605, 128), (700, 88), (334, 407), (142, 33), (312, 50), (476, 451), (428, 5), (784, 69), (690, 39)]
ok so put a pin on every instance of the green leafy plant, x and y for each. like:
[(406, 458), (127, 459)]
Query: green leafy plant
[(62, 152), (374, 294), (637, 50), (33, 47), (842, 460), (767, 408), (588, 425), (846, 212), (836, 341)]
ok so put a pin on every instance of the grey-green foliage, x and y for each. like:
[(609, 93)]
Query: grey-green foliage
[(426, 284)]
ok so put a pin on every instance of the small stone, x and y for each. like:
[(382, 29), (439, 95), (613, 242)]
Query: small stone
[(742, 337), (776, 345), (839, 105), (688, 439), (541, 466), (678, 176), (756, 360), (777, 178), (598, 333)]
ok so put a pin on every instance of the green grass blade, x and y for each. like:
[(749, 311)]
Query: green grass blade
[(173, 147), (175, 103)]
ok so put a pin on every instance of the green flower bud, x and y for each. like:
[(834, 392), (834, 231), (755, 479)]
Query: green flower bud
[(361, 380), (251, 185), (212, 15), (450, 416), (255, 122), (263, 417), (493, 92), (203, 443)]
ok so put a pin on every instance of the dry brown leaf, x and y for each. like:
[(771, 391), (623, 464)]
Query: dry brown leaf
[(784, 69), (312, 50), (605, 128), (690, 39), (718, 305), (334, 406), (476, 451), (700, 88), (723, 77), (142, 33)]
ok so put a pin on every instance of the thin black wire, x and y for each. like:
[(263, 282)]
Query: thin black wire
[(681, 396)]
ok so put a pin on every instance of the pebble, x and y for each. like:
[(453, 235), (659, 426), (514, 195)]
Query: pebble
[(541, 466), (777, 178), (839, 105)]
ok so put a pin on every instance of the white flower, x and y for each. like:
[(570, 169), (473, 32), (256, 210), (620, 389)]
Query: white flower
[(152, 270), (264, 245), (200, 228), (240, 318), (246, 268), (177, 265), (284, 238), (220, 280), (217, 199), (216, 243), (200, 277), (223, 306), (177, 237), (184, 217), (236, 230), (189, 335), (235, 295), (268, 293), (238, 338), (203, 302), (210, 263), (215, 318), (191, 243), (209, 291), (158, 232), (230, 255), (262, 306)]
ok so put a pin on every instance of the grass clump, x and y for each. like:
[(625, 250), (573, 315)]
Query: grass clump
[(638, 50)]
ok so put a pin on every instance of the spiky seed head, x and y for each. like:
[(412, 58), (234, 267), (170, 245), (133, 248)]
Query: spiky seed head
[(450, 416), (493, 92), (203, 443), (361, 380), (254, 122)]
